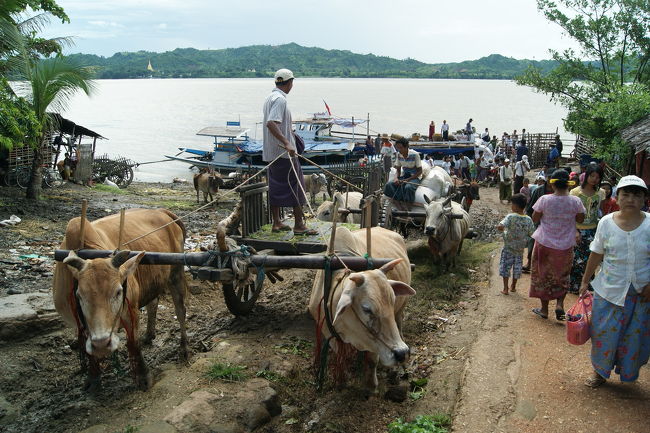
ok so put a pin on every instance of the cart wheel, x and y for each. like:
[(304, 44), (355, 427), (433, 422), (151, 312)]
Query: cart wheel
[(385, 218), (241, 299)]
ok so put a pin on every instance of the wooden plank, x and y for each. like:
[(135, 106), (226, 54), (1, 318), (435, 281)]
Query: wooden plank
[(214, 274)]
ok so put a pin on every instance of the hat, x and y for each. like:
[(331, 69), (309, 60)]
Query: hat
[(282, 75), (506, 160), (524, 158), (631, 180), (385, 136), (540, 177)]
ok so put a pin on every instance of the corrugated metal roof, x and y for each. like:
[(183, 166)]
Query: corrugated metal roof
[(638, 134)]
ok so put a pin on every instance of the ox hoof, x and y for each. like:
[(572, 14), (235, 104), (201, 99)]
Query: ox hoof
[(93, 385), (397, 393), (144, 381)]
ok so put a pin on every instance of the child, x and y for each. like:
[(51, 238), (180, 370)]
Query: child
[(608, 205), (525, 190), (517, 227), (621, 304)]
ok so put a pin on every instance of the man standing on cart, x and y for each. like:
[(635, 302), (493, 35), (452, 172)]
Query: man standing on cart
[(409, 170), (285, 177)]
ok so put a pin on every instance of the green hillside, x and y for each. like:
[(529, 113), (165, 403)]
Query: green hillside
[(264, 60)]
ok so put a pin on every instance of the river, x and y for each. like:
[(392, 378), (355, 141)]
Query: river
[(145, 119)]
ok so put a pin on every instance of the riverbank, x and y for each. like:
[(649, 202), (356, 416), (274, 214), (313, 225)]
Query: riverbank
[(42, 386)]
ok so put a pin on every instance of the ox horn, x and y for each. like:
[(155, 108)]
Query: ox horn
[(74, 262), (427, 199), (446, 202), (358, 279), (119, 258), (390, 265)]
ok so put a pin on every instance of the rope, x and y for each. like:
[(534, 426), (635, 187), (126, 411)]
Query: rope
[(180, 218)]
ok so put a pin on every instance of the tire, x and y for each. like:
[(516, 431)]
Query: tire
[(241, 302), (22, 177)]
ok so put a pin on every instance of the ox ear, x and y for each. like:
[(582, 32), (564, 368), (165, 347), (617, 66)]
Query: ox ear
[(344, 302), (390, 265), (75, 263), (130, 265), (427, 199), (401, 289)]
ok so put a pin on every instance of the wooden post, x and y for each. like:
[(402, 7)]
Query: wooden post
[(335, 217), (368, 221), (121, 235), (82, 235)]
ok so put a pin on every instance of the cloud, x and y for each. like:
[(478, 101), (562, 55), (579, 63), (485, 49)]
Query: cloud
[(162, 26), (105, 24)]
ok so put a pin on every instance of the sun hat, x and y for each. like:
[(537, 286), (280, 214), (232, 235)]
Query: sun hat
[(631, 180), (385, 136), (282, 75)]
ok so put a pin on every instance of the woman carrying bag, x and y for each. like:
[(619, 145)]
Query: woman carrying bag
[(620, 335)]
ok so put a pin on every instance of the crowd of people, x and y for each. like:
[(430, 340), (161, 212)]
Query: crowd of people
[(570, 224)]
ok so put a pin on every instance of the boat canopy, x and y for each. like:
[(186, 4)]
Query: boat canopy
[(223, 131)]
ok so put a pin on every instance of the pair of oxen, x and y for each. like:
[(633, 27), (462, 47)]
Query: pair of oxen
[(100, 296)]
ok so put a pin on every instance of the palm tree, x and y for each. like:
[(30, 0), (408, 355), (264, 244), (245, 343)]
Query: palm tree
[(49, 84)]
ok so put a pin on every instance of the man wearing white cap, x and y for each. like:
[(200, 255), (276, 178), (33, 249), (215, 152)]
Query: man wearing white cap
[(284, 174), (521, 169), (505, 181)]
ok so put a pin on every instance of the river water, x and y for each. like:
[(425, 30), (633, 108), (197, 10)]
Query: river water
[(148, 118)]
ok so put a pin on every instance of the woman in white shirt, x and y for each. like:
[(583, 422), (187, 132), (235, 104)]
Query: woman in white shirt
[(620, 336)]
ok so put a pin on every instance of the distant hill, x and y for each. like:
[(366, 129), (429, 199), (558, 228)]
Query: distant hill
[(264, 60)]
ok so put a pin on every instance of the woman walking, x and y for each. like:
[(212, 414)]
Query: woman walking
[(555, 237), (620, 337), (592, 197)]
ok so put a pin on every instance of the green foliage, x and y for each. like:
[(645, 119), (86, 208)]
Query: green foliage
[(264, 60), (295, 346), (269, 375), (226, 372), (422, 424), (610, 90), (17, 119), (12, 7)]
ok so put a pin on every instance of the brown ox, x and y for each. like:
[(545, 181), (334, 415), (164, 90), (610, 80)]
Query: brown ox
[(100, 296), (366, 307), (208, 184)]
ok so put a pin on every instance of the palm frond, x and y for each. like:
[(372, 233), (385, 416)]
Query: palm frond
[(33, 24)]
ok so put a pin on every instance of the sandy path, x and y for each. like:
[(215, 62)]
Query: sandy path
[(522, 375)]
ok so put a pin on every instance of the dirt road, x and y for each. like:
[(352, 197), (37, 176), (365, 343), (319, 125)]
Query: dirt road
[(523, 376)]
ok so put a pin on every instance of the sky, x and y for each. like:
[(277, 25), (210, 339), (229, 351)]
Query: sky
[(431, 31)]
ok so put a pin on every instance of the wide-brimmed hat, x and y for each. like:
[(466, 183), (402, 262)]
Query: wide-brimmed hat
[(631, 180), (385, 136)]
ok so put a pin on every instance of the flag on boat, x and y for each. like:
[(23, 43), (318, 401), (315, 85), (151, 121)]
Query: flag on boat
[(327, 107)]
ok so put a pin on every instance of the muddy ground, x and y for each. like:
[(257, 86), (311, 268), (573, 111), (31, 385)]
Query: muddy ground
[(41, 384)]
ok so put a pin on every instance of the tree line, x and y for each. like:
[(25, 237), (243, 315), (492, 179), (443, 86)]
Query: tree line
[(264, 60)]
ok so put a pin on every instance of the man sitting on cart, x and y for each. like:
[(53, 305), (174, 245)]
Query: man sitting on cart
[(409, 170)]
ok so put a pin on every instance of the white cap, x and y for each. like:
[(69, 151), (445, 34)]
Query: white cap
[(282, 75), (525, 157), (506, 160), (631, 180), (541, 177)]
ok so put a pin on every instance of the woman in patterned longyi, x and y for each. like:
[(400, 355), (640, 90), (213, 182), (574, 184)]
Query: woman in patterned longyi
[(620, 321)]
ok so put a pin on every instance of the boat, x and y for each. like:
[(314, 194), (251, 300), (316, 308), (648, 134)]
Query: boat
[(233, 149)]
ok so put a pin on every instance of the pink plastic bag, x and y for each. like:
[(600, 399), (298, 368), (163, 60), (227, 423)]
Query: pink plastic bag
[(579, 320)]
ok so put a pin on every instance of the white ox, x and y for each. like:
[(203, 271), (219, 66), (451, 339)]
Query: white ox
[(436, 183), (326, 208), (366, 307), (314, 183), (446, 224)]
